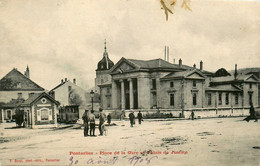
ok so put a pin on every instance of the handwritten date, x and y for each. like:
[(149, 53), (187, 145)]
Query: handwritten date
[(135, 160)]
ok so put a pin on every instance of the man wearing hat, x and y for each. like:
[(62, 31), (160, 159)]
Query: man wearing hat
[(85, 118), (102, 118)]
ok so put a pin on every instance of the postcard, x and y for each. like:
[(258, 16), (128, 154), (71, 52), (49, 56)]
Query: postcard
[(129, 82)]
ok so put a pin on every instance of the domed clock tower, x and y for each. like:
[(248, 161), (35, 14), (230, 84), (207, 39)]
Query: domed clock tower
[(103, 78)]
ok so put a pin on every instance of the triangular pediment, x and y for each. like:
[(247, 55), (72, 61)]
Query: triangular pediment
[(252, 78), (194, 75), (123, 65)]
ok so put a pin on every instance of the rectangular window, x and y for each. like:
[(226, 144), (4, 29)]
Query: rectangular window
[(236, 99), (250, 85), (194, 83), (227, 98), (108, 101), (108, 90), (194, 99), (250, 98), (154, 83), (69, 88), (172, 99), (209, 99), (220, 98), (20, 95), (154, 99), (44, 114), (171, 84)]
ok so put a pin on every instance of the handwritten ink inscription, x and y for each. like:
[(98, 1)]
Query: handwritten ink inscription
[(111, 161)]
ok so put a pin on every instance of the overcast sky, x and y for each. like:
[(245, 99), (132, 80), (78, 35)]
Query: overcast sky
[(65, 38)]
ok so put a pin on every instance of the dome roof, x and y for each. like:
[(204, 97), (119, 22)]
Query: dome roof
[(105, 63)]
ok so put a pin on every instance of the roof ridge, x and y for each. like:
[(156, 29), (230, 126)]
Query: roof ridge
[(23, 76)]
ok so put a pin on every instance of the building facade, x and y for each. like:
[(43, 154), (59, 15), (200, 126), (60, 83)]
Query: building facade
[(39, 109), (68, 93), (154, 85), (15, 88)]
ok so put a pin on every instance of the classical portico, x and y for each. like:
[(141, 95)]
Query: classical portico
[(124, 93), (134, 85)]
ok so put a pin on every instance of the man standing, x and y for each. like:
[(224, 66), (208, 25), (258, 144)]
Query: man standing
[(192, 115), (92, 123), (140, 117), (85, 118), (122, 116), (102, 118), (109, 119), (252, 113), (132, 118)]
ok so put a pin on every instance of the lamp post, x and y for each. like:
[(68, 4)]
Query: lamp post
[(92, 97)]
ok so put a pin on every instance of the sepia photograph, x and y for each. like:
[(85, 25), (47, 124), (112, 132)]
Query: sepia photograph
[(129, 82)]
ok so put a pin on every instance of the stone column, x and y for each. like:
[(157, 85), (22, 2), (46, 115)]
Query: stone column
[(183, 107), (122, 94), (131, 93), (216, 102), (158, 93), (114, 95), (32, 117), (203, 94), (3, 115), (55, 116)]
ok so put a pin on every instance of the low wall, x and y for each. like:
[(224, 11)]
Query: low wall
[(220, 112), (174, 113)]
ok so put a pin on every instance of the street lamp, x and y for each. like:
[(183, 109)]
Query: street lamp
[(92, 97)]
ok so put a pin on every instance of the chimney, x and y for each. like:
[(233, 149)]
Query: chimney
[(27, 72), (66, 80), (235, 74), (194, 66), (173, 60), (201, 65), (74, 81), (165, 53), (180, 63), (61, 81)]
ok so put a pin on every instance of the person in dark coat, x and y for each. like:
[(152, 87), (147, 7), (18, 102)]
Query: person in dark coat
[(85, 118), (252, 113), (140, 117), (92, 123), (109, 119), (132, 118), (192, 115), (102, 118)]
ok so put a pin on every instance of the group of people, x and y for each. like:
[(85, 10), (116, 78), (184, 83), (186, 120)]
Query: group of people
[(89, 121), (132, 118)]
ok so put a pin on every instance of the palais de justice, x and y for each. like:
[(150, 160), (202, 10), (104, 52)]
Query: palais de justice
[(149, 85)]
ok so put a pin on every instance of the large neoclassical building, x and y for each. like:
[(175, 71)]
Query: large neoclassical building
[(149, 85)]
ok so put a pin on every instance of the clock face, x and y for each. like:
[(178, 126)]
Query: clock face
[(43, 100)]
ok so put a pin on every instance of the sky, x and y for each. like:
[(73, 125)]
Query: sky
[(60, 39)]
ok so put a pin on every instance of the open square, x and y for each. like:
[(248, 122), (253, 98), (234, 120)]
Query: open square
[(218, 141)]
